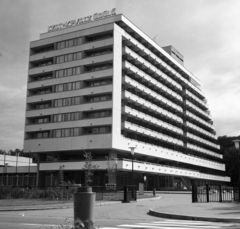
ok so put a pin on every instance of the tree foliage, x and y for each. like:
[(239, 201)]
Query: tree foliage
[(230, 156), (88, 167), (110, 169)]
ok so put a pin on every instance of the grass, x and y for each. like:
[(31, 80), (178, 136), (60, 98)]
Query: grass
[(30, 202)]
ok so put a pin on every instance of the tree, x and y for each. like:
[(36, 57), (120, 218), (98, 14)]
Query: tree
[(88, 167), (110, 169), (230, 156)]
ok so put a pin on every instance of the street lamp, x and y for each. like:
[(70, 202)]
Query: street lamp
[(132, 153), (116, 162), (5, 172), (4, 159), (16, 167), (145, 179), (237, 148)]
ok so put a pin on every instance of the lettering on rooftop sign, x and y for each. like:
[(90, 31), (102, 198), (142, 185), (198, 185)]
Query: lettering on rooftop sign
[(79, 21)]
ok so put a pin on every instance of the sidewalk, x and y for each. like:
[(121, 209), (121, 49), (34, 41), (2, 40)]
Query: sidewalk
[(180, 207)]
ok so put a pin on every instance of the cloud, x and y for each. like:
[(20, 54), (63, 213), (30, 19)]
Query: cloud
[(12, 106), (1, 54)]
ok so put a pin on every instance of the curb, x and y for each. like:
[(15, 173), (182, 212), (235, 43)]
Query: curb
[(33, 209), (65, 207), (196, 218)]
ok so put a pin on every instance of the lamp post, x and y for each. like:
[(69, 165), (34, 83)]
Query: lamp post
[(116, 162), (16, 167), (145, 179), (4, 159), (5, 172), (237, 148), (28, 171), (132, 153)]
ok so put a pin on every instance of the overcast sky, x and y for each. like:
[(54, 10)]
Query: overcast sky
[(205, 32)]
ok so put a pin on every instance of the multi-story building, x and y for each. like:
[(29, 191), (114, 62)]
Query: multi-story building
[(101, 85)]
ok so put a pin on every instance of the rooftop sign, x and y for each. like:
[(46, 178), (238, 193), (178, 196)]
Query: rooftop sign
[(79, 21)]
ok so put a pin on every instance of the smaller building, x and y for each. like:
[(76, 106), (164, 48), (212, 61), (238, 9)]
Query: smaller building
[(17, 171)]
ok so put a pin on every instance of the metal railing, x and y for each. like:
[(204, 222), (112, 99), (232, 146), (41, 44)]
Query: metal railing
[(215, 193)]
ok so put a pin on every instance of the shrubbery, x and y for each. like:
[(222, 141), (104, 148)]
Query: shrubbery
[(62, 192)]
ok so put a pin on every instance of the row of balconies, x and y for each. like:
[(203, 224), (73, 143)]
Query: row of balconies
[(145, 64), (170, 170), (140, 115), (137, 73), (191, 146), (151, 93), (202, 102), (68, 57), (202, 140), (149, 149), (151, 106), (151, 133), (190, 114), (149, 54), (154, 83), (152, 120), (201, 130), (126, 165), (205, 114), (69, 43), (199, 119)]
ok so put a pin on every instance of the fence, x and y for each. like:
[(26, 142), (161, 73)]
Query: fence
[(115, 193), (215, 193)]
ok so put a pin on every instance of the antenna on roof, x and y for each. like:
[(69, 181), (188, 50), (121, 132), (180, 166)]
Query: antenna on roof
[(155, 38)]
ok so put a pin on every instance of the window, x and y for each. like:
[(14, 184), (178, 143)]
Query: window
[(102, 130), (69, 57), (39, 135), (99, 67), (40, 120), (43, 105), (58, 133), (69, 43), (98, 130), (68, 72), (59, 103), (76, 131), (98, 98), (67, 133), (45, 134)]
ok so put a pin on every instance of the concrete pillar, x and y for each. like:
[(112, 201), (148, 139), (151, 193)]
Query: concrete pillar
[(40, 174)]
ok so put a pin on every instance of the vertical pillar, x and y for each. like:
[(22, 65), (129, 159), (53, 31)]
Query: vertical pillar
[(207, 192), (117, 89), (220, 193), (40, 174)]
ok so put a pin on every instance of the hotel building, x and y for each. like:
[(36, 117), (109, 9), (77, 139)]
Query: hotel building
[(100, 84)]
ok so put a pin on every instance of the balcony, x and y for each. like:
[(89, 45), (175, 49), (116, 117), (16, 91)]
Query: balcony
[(148, 105)]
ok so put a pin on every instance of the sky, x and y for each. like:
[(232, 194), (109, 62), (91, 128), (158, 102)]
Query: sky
[(205, 32)]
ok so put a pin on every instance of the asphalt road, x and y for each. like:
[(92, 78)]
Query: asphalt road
[(129, 215)]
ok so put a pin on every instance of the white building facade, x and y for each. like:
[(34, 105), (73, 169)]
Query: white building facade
[(103, 86)]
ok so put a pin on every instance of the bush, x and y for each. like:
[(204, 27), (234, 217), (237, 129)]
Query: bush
[(18, 193), (5, 192)]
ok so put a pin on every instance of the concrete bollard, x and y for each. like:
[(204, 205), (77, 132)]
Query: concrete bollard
[(154, 191), (84, 203)]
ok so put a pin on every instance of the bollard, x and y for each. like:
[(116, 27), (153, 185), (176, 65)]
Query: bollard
[(84, 202), (154, 191), (125, 198)]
